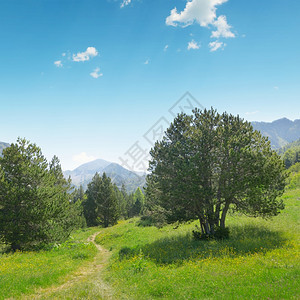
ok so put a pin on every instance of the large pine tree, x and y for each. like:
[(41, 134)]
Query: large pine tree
[(101, 205), (35, 206), (207, 163)]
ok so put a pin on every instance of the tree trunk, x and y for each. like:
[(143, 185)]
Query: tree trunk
[(224, 213)]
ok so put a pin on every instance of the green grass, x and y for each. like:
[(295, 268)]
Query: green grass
[(259, 261), (22, 273)]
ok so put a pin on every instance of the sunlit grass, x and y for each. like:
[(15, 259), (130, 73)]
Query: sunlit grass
[(24, 272), (259, 261)]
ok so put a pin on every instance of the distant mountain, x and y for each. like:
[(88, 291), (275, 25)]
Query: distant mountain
[(84, 174), (3, 146), (280, 132)]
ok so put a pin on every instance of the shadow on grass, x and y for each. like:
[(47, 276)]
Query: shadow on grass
[(243, 240)]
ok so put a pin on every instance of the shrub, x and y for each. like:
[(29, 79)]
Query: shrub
[(154, 217)]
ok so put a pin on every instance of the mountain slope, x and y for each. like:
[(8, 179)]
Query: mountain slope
[(280, 132), (293, 145), (119, 175)]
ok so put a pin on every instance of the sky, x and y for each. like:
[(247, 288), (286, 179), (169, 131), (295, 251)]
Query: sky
[(87, 79)]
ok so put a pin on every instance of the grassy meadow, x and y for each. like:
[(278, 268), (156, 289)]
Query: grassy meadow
[(259, 261), (22, 273)]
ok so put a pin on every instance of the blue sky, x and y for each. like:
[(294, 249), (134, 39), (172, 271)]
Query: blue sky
[(86, 79)]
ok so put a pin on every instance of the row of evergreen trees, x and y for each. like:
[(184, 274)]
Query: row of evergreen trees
[(38, 206), (104, 204)]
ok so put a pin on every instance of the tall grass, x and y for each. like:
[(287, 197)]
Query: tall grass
[(23, 272)]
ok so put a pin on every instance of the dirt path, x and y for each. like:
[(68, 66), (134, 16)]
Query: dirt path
[(85, 283)]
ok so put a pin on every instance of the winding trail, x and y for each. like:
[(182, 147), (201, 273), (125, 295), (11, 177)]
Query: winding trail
[(85, 283)]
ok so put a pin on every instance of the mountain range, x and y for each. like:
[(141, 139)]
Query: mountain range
[(280, 132), (119, 175)]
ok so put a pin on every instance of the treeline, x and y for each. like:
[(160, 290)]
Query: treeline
[(39, 207), (104, 204)]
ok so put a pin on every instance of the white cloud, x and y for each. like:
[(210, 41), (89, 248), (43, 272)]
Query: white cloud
[(223, 29), (200, 11), (166, 47), (82, 158), (204, 13), (147, 62), (193, 45), (252, 113), (214, 46), (58, 63), (63, 54), (125, 3), (276, 88), (96, 73), (86, 55)]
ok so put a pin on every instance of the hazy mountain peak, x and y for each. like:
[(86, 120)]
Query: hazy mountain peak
[(119, 175), (280, 132)]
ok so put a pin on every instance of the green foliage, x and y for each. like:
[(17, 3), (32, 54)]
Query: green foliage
[(291, 157), (35, 207), (153, 217), (121, 199), (207, 163), (290, 153), (101, 205), (294, 179)]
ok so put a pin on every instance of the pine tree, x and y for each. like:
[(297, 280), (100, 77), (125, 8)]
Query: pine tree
[(138, 202), (106, 201), (207, 163), (101, 206), (35, 206), (89, 204)]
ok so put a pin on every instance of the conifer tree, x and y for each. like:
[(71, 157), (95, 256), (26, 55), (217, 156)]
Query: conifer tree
[(207, 163), (35, 206), (101, 205)]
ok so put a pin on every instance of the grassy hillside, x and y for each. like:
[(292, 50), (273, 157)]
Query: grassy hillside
[(259, 261)]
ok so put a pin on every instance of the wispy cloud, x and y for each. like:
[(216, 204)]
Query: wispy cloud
[(83, 158), (96, 73), (166, 47), (147, 61), (193, 45), (58, 63), (251, 113), (86, 55), (125, 3), (214, 46)]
